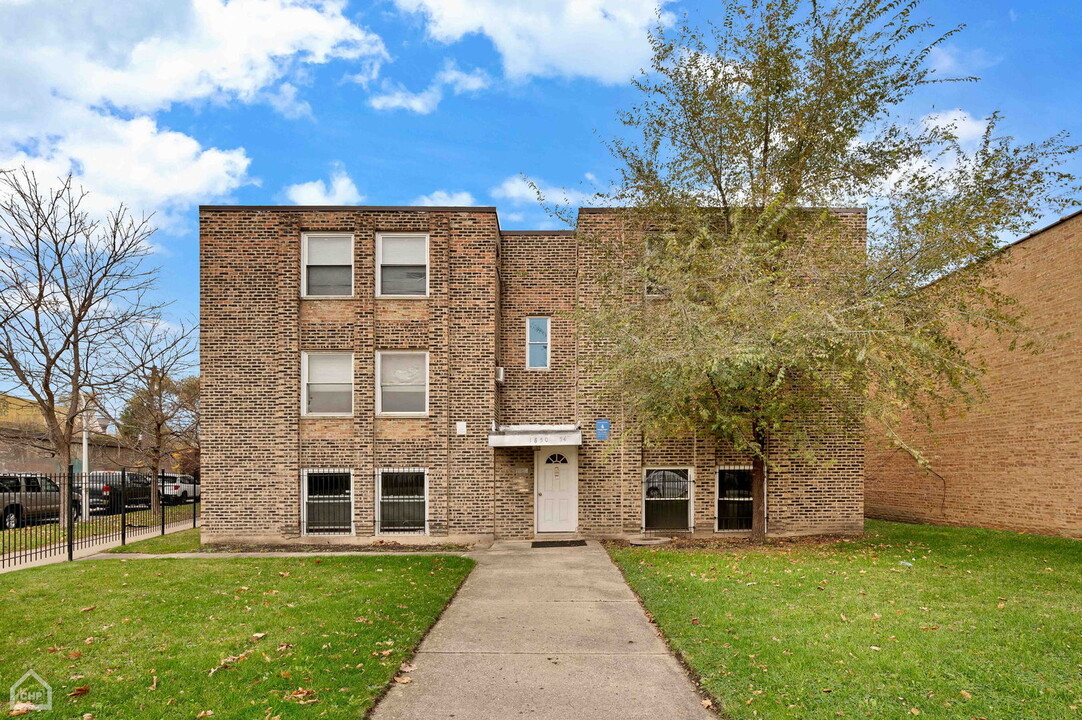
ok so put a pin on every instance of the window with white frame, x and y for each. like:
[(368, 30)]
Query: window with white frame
[(327, 502), (328, 265), (327, 383), (402, 383), (734, 498), (401, 265), (401, 500), (537, 342), (667, 498)]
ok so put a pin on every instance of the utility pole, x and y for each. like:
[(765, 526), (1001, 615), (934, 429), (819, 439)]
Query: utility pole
[(86, 459)]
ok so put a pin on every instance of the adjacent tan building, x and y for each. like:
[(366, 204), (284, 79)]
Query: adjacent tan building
[(416, 372), (1014, 461)]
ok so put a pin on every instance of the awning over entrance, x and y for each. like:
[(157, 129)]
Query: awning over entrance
[(534, 435)]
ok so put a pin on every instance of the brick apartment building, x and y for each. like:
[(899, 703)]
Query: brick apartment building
[(1014, 461), (416, 371)]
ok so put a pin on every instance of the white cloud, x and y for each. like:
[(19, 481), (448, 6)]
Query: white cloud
[(518, 191), (338, 190), (81, 84), (600, 39), (965, 127), (285, 101), (445, 198), (958, 62), (396, 97)]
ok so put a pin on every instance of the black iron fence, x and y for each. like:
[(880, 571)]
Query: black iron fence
[(44, 515)]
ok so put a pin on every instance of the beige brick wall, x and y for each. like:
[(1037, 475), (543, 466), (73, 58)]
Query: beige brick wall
[(1014, 461)]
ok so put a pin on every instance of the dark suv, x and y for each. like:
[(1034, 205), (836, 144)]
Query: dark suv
[(26, 497), (104, 490)]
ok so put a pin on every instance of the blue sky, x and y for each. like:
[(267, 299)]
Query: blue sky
[(169, 104)]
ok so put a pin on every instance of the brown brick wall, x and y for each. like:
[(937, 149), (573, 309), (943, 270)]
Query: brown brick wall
[(482, 287), (1014, 461), (255, 326)]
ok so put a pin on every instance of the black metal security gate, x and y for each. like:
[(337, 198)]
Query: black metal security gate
[(328, 502), (734, 499), (401, 501), (667, 499)]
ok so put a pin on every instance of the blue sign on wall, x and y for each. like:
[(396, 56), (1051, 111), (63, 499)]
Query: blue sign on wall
[(601, 429)]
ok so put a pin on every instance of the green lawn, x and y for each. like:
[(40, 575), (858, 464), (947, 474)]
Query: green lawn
[(979, 624), (285, 637), (184, 541)]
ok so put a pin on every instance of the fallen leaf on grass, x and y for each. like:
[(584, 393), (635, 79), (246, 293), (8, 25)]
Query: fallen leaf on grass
[(304, 696), (402, 680), (88, 609), (79, 691), (205, 714), (21, 709), (74, 655), (707, 704), (966, 695), (407, 668), (259, 636), (154, 685)]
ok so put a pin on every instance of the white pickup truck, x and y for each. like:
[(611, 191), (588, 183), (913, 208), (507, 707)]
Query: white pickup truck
[(179, 489)]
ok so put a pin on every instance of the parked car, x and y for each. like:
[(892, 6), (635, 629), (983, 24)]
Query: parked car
[(26, 497), (179, 489), (104, 490)]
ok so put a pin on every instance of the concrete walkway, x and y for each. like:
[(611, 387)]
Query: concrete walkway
[(546, 633)]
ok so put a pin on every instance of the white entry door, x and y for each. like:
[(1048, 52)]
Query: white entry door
[(557, 489)]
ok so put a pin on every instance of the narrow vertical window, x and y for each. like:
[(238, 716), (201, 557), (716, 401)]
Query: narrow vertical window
[(327, 383), (402, 383), (328, 265), (734, 499), (402, 265), (537, 342)]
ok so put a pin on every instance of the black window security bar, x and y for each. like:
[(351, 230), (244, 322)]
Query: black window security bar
[(328, 502), (401, 500), (667, 499), (48, 515), (734, 499)]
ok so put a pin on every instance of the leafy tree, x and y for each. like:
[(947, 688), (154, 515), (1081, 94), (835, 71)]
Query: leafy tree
[(735, 301)]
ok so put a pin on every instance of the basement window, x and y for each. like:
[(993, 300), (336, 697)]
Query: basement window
[(327, 502), (401, 500), (734, 498), (667, 498), (327, 380), (328, 265), (401, 265)]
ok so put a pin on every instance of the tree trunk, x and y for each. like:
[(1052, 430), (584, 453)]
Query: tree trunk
[(758, 491), (155, 490)]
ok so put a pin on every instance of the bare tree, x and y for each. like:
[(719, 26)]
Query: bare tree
[(161, 414), (73, 286)]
